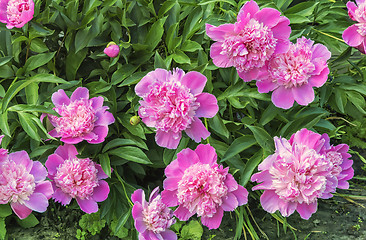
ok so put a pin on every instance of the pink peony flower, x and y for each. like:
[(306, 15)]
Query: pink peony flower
[(355, 35), (23, 185), (112, 50), (3, 152), (173, 102), (81, 118), (292, 75), (251, 41), (76, 178), (199, 185), (152, 219), (16, 13), (299, 172)]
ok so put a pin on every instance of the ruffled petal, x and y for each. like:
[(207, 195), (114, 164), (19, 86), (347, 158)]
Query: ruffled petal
[(100, 193), (220, 60), (208, 105), (268, 16), (80, 93), (20, 210), (282, 98), (352, 37), (197, 130), (182, 213), (219, 33), (306, 210), (169, 198), (195, 81), (87, 205), (61, 197), (168, 139), (206, 154), (303, 95), (214, 221), (60, 98)]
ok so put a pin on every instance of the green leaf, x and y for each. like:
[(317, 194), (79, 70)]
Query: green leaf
[(167, 5), (250, 166), (105, 163), (122, 73), (38, 46), (217, 125), (28, 125), (73, 62), (5, 60), (239, 145), (31, 92), (32, 108), (38, 60), (192, 231), (205, 2), (41, 150), (303, 9), (155, 33), (122, 220), (4, 125), (136, 130), (2, 228), (129, 153), (5, 210), (180, 57), (190, 46), (263, 138), (123, 142), (28, 222)]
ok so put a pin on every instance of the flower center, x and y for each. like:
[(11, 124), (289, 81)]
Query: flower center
[(14, 10), (293, 69), (202, 189), (360, 13), (76, 119), (16, 184), (170, 105), (77, 177), (157, 216), (361, 29), (300, 176), (252, 47)]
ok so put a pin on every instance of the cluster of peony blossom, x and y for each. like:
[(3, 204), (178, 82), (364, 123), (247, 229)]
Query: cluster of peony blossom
[(23, 182), (355, 35)]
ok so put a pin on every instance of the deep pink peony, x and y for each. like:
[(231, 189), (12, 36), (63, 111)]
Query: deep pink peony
[(76, 178), (16, 13), (23, 184), (112, 50), (199, 185), (173, 102), (251, 41), (292, 75), (152, 219), (81, 118), (300, 172), (355, 35)]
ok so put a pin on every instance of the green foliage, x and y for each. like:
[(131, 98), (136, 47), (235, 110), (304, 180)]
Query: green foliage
[(92, 223), (28, 222)]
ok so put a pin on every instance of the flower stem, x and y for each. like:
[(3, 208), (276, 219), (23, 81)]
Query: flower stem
[(124, 188), (328, 35)]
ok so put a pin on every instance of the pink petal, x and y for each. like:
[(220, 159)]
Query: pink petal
[(38, 171), (88, 205), (265, 86), (241, 195), (206, 154), (208, 105), (169, 198), (321, 51), (230, 203), (282, 98), (214, 221), (37, 202), (140, 225), (270, 201), (197, 130), (20, 210), (171, 183), (97, 102), (282, 30), (231, 183), (80, 93), (137, 210), (218, 33), (268, 16), (287, 208), (195, 81), (44, 188), (303, 95), (54, 132), (249, 8), (100, 193), (101, 132), (220, 60), (351, 6), (66, 151), (104, 118), (142, 87), (22, 158), (249, 75), (138, 196), (154, 193), (61, 197), (282, 46), (173, 170), (319, 80), (306, 210), (100, 174), (186, 158), (168, 139), (263, 177), (60, 98), (169, 235), (182, 213), (71, 140), (352, 37)]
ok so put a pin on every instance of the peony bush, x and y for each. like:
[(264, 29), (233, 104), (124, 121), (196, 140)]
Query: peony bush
[(223, 105)]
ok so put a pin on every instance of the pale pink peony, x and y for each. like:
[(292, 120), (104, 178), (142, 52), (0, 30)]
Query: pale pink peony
[(355, 35), (16, 13), (112, 50), (152, 219), (173, 102), (199, 185), (81, 118), (76, 178), (292, 75), (251, 41), (23, 184), (299, 172)]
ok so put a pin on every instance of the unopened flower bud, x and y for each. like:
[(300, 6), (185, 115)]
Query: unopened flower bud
[(112, 49), (134, 120)]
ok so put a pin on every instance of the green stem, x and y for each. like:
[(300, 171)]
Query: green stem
[(328, 35), (124, 188), (206, 125)]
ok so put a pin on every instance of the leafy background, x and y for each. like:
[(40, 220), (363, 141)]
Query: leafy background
[(62, 48)]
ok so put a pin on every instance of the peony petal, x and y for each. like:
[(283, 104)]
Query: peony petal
[(100, 193), (138, 196), (52, 163), (220, 60), (37, 202), (230, 203), (61, 197), (352, 37), (206, 154), (143, 87), (45, 188), (182, 213), (169, 235), (20, 210), (321, 51), (230, 183), (137, 210), (214, 221), (282, 98), (38, 171), (169, 198), (270, 201), (87, 205), (266, 86), (168, 139), (71, 140), (253, 74), (101, 132), (100, 174), (67, 151), (303, 95), (219, 33), (173, 170), (249, 8), (140, 225), (319, 80), (97, 102), (306, 210), (171, 183), (197, 130), (287, 208), (282, 46), (351, 6), (104, 118), (154, 193), (22, 158), (208, 105), (186, 158), (268, 16), (195, 81), (241, 195), (80, 93), (282, 30), (60, 98)]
